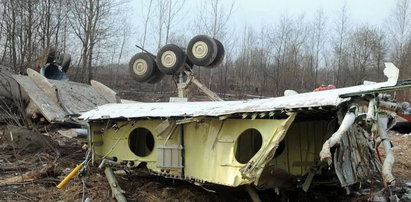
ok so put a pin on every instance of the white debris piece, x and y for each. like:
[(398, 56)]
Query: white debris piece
[(407, 135)]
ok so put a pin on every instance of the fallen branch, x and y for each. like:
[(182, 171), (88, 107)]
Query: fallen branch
[(253, 193), (115, 187), (12, 168), (27, 176)]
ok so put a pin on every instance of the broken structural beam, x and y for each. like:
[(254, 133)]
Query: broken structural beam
[(213, 96), (347, 122), (389, 155)]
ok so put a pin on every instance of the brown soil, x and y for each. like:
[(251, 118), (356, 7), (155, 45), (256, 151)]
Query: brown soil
[(402, 150)]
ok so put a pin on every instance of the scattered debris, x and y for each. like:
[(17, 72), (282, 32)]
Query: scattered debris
[(73, 132)]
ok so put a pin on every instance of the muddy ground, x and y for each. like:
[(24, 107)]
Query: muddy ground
[(43, 167)]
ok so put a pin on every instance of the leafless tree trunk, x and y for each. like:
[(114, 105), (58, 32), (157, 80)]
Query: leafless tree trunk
[(146, 20), (89, 20), (399, 27), (341, 29), (212, 19)]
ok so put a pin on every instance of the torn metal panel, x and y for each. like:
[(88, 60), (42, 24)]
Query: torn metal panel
[(109, 94), (50, 109), (43, 83), (220, 149), (8, 86), (56, 99), (354, 160), (76, 98), (255, 166)]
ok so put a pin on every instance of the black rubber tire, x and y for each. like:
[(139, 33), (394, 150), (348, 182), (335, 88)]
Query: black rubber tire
[(220, 55), (179, 60), (147, 67), (209, 56), (51, 55), (51, 71), (156, 77), (189, 63)]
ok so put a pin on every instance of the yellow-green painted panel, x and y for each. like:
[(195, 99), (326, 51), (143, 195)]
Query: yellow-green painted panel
[(210, 148), (303, 142)]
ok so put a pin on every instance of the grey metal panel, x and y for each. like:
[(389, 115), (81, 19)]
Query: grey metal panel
[(76, 98), (8, 86), (169, 156), (67, 97), (50, 109)]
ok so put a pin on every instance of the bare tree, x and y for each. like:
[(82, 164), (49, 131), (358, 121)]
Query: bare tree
[(341, 29), (174, 8), (318, 40), (146, 20), (166, 17), (364, 44), (212, 20), (89, 20), (125, 34), (399, 29), (213, 17)]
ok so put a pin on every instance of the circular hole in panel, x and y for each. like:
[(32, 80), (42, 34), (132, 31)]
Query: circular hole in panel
[(141, 142), (247, 145)]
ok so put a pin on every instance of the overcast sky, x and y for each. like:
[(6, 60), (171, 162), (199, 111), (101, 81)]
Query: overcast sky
[(258, 13)]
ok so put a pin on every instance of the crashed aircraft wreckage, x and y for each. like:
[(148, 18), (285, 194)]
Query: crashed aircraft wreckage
[(48, 93), (268, 143), (273, 143)]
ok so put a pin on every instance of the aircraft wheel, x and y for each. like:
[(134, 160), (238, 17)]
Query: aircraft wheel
[(142, 67), (170, 59), (156, 77), (202, 50), (220, 55), (51, 55)]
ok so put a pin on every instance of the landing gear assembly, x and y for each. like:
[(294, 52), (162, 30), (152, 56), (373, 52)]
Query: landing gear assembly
[(171, 59)]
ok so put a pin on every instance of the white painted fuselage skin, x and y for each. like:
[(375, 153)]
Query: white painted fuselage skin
[(219, 108)]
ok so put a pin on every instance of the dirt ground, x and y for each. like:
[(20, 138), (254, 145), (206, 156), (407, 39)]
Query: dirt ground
[(48, 165), (402, 150)]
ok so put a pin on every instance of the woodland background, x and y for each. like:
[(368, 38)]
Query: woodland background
[(295, 52)]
